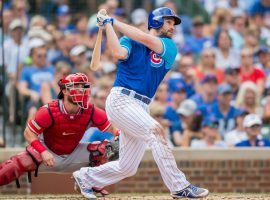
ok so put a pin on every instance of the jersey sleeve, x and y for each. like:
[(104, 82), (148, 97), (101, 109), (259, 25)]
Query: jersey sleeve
[(24, 75), (169, 51), (41, 121), (100, 120), (260, 74), (126, 43)]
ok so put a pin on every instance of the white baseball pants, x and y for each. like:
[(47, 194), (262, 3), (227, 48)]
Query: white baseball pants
[(131, 116)]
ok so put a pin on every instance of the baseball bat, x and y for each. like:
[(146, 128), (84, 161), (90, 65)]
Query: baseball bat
[(95, 62)]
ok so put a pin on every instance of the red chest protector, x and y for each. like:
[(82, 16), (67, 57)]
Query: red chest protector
[(66, 131)]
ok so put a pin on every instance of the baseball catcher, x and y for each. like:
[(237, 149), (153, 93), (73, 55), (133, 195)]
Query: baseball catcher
[(55, 132)]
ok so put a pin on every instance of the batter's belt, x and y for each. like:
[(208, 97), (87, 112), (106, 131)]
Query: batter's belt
[(131, 93)]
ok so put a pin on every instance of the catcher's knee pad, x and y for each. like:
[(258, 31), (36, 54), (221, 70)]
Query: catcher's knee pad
[(26, 161)]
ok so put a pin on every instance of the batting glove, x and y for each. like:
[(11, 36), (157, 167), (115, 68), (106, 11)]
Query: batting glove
[(102, 19)]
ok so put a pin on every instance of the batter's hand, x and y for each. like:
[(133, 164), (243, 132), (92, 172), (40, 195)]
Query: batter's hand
[(103, 19), (47, 158)]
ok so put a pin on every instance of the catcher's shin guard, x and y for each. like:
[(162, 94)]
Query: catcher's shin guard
[(26, 161)]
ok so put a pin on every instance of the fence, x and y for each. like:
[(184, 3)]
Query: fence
[(219, 170)]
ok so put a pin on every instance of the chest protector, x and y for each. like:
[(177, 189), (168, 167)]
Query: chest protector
[(66, 131)]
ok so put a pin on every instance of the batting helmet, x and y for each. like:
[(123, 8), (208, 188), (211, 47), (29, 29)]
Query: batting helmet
[(155, 19), (79, 95)]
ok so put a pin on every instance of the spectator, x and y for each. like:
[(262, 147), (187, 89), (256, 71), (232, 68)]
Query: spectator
[(197, 41), (8, 16), (64, 44), (120, 15), (64, 19), (33, 76), (169, 113), (81, 63), (237, 31), (263, 55), (222, 111), (211, 136), (248, 98), (15, 52), (191, 120), (183, 76), (38, 21), (82, 29), (252, 124), (100, 98), (252, 38), (178, 95), (157, 111), (207, 66), (16, 46), (139, 18), (232, 77), (260, 6), (50, 90), (248, 72), (238, 134), (39, 32), (226, 56), (19, 10), (208, 94), (220, 20)]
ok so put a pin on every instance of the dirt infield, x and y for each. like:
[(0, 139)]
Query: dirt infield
[(138, 197)]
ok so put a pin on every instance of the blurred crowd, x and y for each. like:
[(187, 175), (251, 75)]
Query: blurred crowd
[(217, 95)]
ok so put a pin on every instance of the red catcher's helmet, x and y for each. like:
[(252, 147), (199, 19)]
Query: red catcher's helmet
[(79, 95)]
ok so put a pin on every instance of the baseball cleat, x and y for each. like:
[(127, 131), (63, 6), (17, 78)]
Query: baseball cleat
[(191, 191), (79, 186)]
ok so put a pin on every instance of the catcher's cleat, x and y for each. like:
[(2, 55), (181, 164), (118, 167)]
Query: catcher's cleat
[(79, 186), (191, 192), (101, 191)]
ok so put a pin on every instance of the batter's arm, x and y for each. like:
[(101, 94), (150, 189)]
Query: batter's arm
[(119, 52)]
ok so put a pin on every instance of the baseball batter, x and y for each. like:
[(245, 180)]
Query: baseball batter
[(55, 132), (144, 60)]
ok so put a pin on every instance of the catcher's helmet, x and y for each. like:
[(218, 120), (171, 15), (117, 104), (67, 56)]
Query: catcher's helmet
[(155, 19), (79, 95)]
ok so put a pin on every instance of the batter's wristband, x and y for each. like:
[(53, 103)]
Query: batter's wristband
[(109, 20), (37, 145)]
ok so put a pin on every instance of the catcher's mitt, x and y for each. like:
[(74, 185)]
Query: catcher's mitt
[(112, 149)]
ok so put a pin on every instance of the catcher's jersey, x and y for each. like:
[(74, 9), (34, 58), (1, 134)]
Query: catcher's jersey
[(143, 70), (63, 131)]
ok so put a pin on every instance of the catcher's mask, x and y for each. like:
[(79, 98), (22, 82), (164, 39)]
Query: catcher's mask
[(78, 86)]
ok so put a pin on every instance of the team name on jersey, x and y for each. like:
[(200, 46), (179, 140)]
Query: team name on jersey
[(156, 60)]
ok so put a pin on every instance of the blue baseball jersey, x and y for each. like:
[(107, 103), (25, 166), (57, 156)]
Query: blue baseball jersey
[(226, 123), (259, 143), (143, 69)]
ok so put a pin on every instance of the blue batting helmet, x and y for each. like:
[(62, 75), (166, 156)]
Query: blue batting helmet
[(155, 19)]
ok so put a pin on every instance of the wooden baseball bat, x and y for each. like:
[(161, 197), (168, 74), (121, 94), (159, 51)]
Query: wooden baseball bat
[(95, 62)]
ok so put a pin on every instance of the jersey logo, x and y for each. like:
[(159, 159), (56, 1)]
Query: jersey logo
[(156, 60), (64, 133)]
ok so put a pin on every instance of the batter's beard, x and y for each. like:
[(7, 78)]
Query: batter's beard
[(165, 34)]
